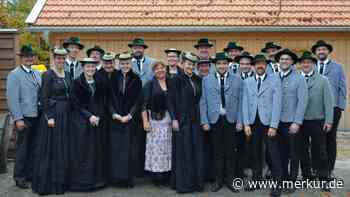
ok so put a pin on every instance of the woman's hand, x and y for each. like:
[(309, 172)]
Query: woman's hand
[(175, 125), (94, 120), (147, 126), (51, 123)]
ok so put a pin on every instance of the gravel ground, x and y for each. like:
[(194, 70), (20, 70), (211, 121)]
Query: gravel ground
[(145, 189)]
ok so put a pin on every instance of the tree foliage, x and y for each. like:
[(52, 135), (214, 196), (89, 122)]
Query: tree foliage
[(13, 15)]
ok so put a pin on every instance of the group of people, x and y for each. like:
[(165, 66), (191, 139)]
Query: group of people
[(106, 119)]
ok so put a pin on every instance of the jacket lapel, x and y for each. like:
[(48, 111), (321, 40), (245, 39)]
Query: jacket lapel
[(311, 81), (328, 68), (228, 81), (216, 82), (264, 85)]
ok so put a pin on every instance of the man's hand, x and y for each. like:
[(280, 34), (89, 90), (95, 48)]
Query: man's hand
[(294, 128), (51, 123), (327, 127), (20, 125), (271, 132), (206, 127)]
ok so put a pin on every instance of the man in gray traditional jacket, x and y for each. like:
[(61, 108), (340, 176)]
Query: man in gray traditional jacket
[(318, 120), (294, 101), (22, 88), (336, 76), (72, 64)]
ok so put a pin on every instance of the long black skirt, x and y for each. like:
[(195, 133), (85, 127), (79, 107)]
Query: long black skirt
[(87, 155), (121, 165), (187, 157), (51, 165)]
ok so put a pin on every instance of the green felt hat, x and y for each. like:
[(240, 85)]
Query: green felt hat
[(95, 48), (203, 42), (73, 40), (259, 58), (245, 54), (307, 55), (220, 56), (321, 43), (270, 45), (138, 42), (286, 52), (233, 45), (27, 51)]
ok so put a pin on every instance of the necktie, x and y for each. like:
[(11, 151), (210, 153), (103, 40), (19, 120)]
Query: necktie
[(259, 83), (245, 75), (321, 68), (124, 85), (32, 74), (139, 64), (307, 77), (93, 88), (276, 69), (222, 85), (234, 68), (71, 70), (193, 86)]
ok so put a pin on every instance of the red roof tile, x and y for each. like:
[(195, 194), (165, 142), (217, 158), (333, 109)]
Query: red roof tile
[(195, 13)]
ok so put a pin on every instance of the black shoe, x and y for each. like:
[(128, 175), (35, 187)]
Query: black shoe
[(232, 189), (250, 188), (22, 184), (275, 193), (215, 187), (200, 188), (326, 188)]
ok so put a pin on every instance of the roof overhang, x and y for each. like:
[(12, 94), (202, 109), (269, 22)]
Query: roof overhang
[(187, 29), (8, 30), (34, 13)]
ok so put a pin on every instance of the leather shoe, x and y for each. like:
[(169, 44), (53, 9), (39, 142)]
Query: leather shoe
[(232, 189), (22, 184), (275, 193), (215, 187)]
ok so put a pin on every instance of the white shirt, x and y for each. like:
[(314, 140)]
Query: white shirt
[(308, 74), (319, 65), (218, 76), (69, 62), (234, 65), (247, 73), (285, 73), (26, 68), (262, 77), (141, 62), (98, 67)]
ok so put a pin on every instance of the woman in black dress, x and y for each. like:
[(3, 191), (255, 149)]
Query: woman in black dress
[(173, 58), (187, 172), (51, 168), (124, 102), (87, 135)]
